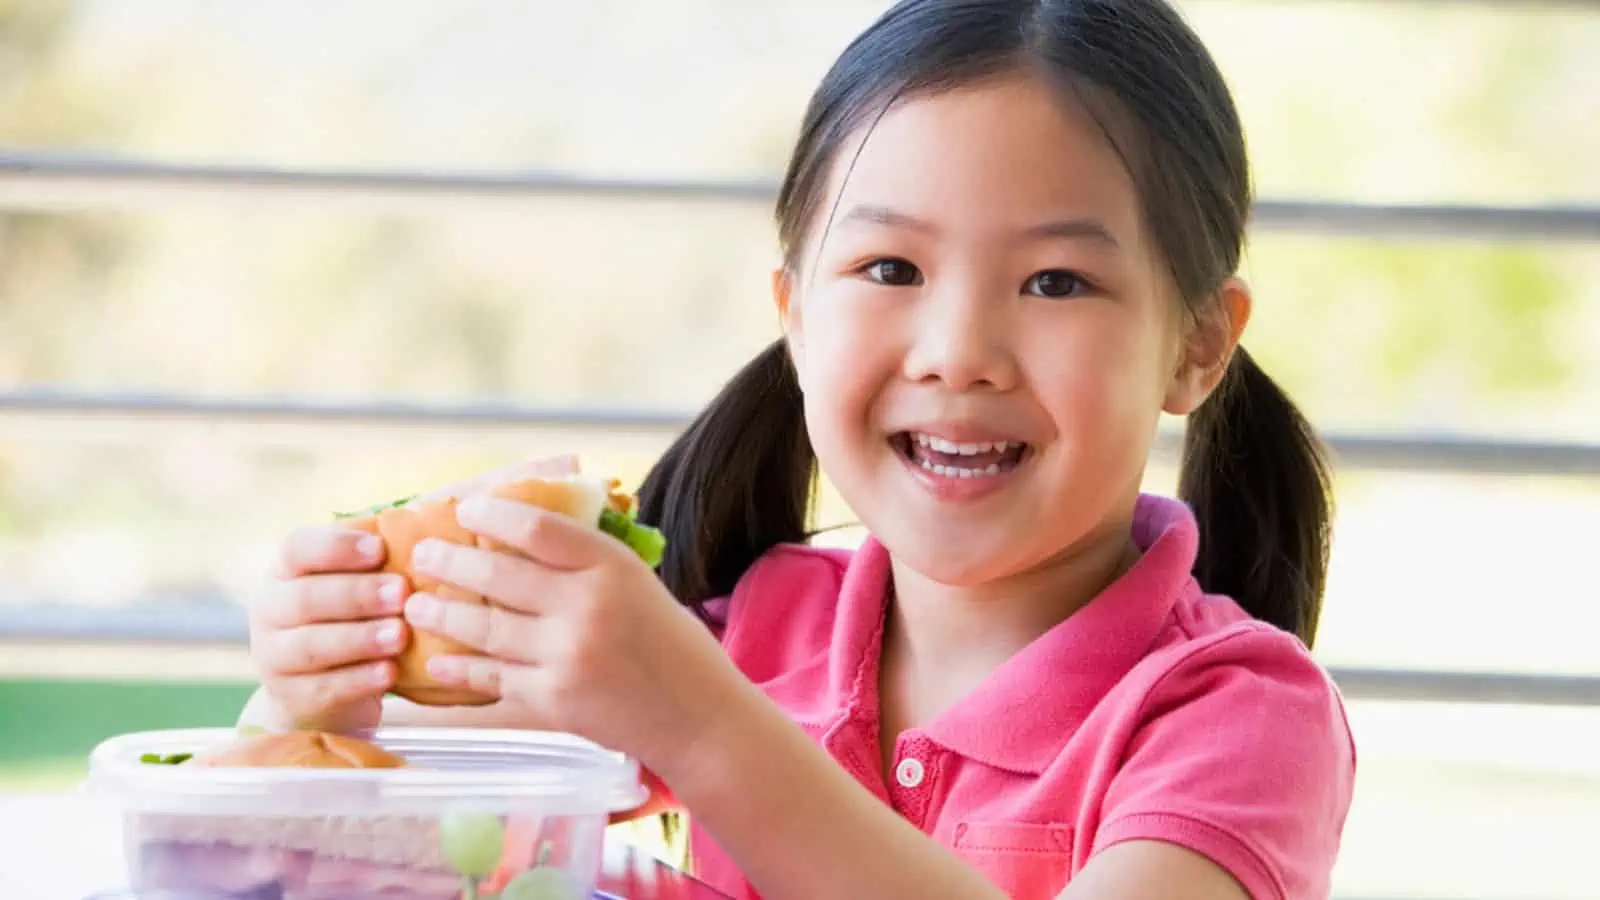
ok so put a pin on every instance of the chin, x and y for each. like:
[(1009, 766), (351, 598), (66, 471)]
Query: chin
[(953, 562)]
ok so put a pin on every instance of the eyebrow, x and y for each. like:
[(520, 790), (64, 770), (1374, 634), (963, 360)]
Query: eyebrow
[(1088, 230)]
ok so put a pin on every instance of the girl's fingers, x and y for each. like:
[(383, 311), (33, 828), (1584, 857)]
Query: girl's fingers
[(314, 549), (557, 541), (494, 630), (332, 598), (315, 694), (330, 645), (521, 584), (487, 675)]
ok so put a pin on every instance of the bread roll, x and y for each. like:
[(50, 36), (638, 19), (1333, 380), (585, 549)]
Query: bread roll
[(403, 527)]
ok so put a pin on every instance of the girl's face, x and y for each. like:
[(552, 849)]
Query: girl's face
[(985, 335)]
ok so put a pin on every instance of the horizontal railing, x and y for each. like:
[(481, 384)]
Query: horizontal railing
[(49, 180), (1438, 452)]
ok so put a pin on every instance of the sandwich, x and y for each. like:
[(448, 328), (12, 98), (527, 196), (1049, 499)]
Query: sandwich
[(405, 523)]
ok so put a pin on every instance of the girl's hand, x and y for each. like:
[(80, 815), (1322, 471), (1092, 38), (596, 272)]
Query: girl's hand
[(581, 632), (325, 629)]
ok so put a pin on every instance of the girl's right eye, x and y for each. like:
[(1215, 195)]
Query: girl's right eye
[(892, 272)]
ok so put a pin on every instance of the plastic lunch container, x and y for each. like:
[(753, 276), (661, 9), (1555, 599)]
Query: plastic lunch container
[(475, 813)]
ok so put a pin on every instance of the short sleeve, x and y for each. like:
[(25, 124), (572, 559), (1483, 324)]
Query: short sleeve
[(1243, 754)]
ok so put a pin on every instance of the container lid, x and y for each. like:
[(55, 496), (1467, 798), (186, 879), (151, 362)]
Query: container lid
[(446, 767)]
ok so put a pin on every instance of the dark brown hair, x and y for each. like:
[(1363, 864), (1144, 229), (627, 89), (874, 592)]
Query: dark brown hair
[(740, 478)]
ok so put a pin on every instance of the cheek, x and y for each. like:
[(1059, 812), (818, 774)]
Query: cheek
[(1102, 383), (848, 354), (848, 359)]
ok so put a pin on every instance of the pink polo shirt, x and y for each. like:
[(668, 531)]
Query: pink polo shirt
[(1156, 712)]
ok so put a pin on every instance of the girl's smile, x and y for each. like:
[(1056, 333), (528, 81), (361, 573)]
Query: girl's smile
[(960, 462)]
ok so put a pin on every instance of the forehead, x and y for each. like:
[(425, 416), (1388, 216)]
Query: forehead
[(994, 157)]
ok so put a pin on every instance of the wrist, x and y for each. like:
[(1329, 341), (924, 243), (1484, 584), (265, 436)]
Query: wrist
[(735, 738), (691, 715), (263, 712)]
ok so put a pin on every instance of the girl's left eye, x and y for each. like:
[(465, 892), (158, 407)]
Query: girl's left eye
[(1056, 283)]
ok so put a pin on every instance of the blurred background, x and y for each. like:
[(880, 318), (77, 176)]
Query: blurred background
[(261, 262)]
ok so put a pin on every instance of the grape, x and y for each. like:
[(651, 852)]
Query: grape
[(472, 843), (544, 883)]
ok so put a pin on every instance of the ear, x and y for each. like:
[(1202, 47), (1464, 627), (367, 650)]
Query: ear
[(1208, 347), (788, 313)]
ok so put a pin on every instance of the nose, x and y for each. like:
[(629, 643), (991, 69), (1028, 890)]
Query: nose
[(963, 342)]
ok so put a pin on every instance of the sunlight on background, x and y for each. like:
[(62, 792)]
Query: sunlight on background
[(649, 305)]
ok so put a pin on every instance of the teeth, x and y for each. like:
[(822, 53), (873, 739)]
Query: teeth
[(960, 471), (950, 447)]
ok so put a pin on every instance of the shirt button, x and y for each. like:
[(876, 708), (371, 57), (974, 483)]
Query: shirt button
[(909, 772)]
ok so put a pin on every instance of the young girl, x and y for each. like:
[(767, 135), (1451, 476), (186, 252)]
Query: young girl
[(1010, 231)]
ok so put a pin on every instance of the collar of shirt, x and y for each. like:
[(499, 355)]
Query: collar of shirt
[(1018, 718)]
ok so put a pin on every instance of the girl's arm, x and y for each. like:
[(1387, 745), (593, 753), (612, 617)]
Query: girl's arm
[(1152, 870), (800, 826)]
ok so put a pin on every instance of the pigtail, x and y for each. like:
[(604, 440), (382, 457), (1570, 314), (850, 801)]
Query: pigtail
[(737, 482), (1258, 480)]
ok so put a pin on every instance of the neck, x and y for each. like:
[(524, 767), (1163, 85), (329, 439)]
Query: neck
[(941, 641)]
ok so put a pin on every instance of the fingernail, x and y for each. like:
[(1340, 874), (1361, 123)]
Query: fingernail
[(444, 668), (472, 509), (389, 635), (427, 554), (370, 547), (422, 610), (392, 595)]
